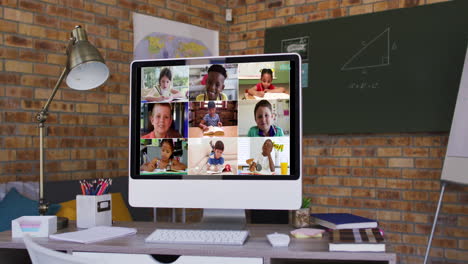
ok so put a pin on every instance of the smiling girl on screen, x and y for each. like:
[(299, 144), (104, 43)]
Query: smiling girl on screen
[(167, 159), (161, 119), (164, 91), (265, 85), (263, 114)]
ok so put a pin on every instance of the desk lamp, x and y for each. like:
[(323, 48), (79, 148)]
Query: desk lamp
[(85, 70)]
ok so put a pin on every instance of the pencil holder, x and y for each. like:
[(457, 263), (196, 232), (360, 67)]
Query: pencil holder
[(93, 210)]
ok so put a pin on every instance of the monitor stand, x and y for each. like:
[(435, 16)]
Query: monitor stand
[(223, 219)]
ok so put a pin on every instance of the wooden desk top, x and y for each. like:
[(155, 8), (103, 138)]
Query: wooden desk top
[(229, 131), (256, 245)]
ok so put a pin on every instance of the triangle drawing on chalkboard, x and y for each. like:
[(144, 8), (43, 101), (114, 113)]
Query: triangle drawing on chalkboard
[(375, 53)]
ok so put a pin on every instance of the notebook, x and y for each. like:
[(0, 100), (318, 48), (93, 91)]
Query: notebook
[(214, 131), (94, 234), (354, 240), (343, 221)]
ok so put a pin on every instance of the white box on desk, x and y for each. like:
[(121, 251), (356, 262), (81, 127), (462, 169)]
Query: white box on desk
[(93, 210), (35, 226)]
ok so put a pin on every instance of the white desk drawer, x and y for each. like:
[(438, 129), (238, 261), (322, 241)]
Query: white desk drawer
[(118, 258)]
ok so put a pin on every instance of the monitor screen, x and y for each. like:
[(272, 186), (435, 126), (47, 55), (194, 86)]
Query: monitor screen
[(218, 120)]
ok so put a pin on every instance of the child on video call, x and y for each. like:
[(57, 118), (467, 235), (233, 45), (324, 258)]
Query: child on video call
[(167, 160), (264, 159), (161, 119), (216, 160), (210, 119), (214, 84), (265, 85), (263, 114), (164, 92)]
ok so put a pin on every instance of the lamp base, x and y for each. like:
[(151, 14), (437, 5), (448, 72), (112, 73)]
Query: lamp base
[(62, 222)]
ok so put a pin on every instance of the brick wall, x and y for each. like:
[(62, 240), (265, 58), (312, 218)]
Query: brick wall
[(393, 178)]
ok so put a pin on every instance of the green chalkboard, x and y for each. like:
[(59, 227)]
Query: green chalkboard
[(392, 71)]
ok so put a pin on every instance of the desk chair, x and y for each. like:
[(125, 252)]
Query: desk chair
[(42, 255)]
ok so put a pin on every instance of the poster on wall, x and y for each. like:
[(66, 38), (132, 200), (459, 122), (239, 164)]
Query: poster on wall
[(158, 38), (298, 45)]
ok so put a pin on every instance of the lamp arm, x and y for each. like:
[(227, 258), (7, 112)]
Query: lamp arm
[(41, 116)]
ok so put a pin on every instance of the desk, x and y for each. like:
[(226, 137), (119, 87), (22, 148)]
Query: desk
[(257, 246), (229, 131)]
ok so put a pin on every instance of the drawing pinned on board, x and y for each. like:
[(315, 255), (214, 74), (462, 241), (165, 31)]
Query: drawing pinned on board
[(299, 45), (375, 53)]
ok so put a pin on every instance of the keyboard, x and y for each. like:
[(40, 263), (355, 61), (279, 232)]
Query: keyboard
[(188, 236)]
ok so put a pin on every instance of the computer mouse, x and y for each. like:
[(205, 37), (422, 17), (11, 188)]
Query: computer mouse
[(278, 240)]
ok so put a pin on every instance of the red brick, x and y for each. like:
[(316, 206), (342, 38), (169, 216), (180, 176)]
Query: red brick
[(363, 172), (352, 182), (427, 141), (399, 184), (361, 9), (388, 216), (368, 152), (341, 152), (350, 2), (414, 195), (48, 45), (329, 4), (319, 15), (389, 195), (18, 15), (8, 26), (399, 205), (18, 66), (401, 162), (429, 163), (389, 152), (351, 162), (351, 202), (459, 255), (370, 193), (375, 162), (275, 4), (9, 78), (16, 41), (438, 152), (328, 181), (427, 185), (8, 53), (420, 174), (397, 227), (372, 203), (416, 152), (286, 11), (339, 191), (19, 92), (374, 183), (315, 151), (110, 109), (258, 25), (31, 55), (328, 161), (388, 173)]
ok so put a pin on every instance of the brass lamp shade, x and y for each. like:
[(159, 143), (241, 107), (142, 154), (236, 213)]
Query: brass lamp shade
[(86, 66)]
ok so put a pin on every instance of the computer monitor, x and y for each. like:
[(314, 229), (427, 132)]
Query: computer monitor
[(216, 132)]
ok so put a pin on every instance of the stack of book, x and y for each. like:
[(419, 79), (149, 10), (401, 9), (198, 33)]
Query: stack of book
[(351, 233)]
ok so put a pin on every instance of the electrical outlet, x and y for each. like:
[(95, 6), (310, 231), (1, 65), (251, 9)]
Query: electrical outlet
[(228, 14)]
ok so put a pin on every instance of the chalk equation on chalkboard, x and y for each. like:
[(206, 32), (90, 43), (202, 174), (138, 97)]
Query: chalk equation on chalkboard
[(364, 85), (375, 53)]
